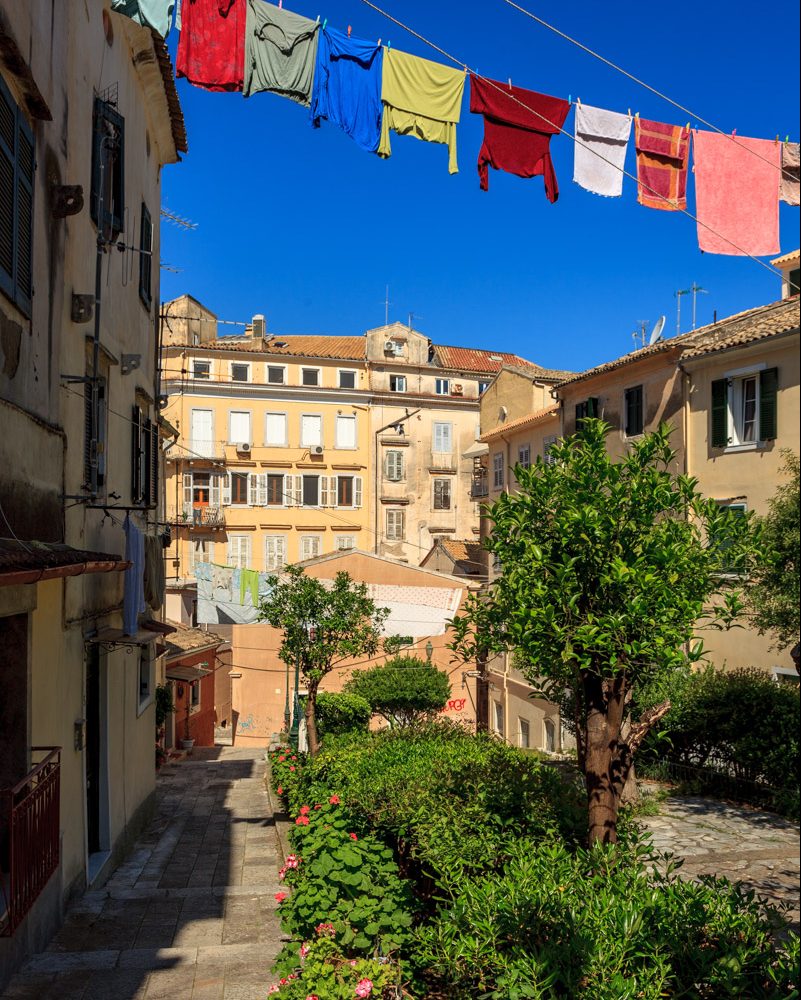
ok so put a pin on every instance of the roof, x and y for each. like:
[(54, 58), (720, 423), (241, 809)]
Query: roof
[(29, 561), (787, 258), (466, 555), (177, 123), (529, 420), (186, 640), (741, 328), (301, 346), (471, 359)]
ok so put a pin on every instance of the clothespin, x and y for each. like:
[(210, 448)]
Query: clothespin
[(629, 112), (325, 22), (378, 44), (777, 139), (688, 126), (318, 19), (569, 98), (349, 30), (733, 132), (578, 101), (280, 4), (389, 44), (510, 83), (787, 138)]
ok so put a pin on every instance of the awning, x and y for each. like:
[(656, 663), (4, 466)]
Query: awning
[(476, 450), (116, 637), (179, 672), (24, 562)]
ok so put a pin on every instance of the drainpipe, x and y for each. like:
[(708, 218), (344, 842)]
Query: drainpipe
[(686, 381), (506, 697)]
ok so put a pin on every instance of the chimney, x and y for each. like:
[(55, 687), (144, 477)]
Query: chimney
[(259, 326)]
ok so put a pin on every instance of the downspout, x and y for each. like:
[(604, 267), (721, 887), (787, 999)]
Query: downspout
[(685, 408)]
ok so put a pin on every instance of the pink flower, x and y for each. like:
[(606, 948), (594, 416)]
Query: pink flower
[(318, 806), (353, 962), (280, 790), (364, 988), (304, 810), (274, 988), (280, 897), (292, 861), (294, 758), (312, 996), (291, 767), (282, 874), (304, 950), (302, 821), (326, 930), (353, 837), (282, 757), (334, 800)]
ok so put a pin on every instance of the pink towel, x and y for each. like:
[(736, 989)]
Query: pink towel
[(737, 194)]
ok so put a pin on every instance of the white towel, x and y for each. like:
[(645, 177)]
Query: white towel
[(605, 133)]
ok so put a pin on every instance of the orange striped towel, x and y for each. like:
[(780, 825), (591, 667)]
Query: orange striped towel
[(663, 153)]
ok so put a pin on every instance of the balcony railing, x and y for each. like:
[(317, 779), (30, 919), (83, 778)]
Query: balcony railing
[(201, 517), (479, 485), (29, 837)]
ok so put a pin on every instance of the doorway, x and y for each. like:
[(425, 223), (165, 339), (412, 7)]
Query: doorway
[(96, 752)]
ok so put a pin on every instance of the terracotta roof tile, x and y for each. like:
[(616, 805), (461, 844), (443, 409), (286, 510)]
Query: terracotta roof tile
[(787, 258), (468, 556), (528, 420), (177, 123), (24, 555), (297, 346), (186, 640), (471, 359)]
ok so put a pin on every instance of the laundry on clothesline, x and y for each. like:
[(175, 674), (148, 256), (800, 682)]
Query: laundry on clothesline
[(211, 46), (602, 139), (790, 188), (663, 153), (280, 52), (155, 14)]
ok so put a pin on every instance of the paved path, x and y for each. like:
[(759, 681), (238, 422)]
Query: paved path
[(190, 914), (741, 844)]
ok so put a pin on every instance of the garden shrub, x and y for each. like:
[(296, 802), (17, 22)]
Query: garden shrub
[(600, 925), (403, 690), (342, 713), (321, 970), (739, 721)]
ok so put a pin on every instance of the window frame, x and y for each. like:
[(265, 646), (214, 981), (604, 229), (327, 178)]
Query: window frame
[(240, 440), (521, 449), (269, 537), (436, 432), (629, 395), (498, 719), (312, 444), (400, 458), (350, 417), (195, 696), (348, 371), (240, 537), (523, 728), (22, 183), (395, 381), (147, 669), (247, 365), (239, 476), (735, 380), (201, 361), (271, 367), (482, 387), (316, 478), (338, 547), (442, 484), (340, 481), (396, 533), (547, 442), (275, 444), (113, 221), (207, 543), (442, 386), (318, 372)]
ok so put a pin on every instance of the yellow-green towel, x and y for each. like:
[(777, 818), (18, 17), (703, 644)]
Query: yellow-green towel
[(421, 98)]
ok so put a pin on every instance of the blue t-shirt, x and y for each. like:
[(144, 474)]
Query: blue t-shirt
[(347, 87)]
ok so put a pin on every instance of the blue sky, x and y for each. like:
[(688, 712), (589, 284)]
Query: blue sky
[(305, 227)]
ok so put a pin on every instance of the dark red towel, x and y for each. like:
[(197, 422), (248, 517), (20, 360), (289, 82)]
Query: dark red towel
[(211, 46), (517, 138)]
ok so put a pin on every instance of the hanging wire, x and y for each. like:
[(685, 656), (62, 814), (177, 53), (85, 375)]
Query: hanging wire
[(642, 83), (512, 97)]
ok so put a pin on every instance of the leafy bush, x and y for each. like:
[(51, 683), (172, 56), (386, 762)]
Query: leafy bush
[(342, 713), (321, 970), (344, 879), (600, 925), (402, 690), (741, 721)]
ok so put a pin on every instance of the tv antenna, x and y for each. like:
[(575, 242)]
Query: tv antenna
[(693, 290), (639, 335), (412, 317), (386, 304), (176, 219)]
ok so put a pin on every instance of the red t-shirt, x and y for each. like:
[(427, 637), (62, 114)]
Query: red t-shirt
[(211, 47)]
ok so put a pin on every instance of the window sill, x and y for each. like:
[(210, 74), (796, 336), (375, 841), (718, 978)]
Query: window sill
[(733, 449), (144, 704)]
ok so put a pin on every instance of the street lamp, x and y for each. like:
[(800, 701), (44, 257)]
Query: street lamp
[(294, 731), (286, 702), (429, 650)]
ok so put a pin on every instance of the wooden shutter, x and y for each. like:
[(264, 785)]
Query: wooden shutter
[(16, 203), (110, 125), (155, 455), (24, 256), (592, 406), (145, 257), (261, 496), (8, 117), (720, 413), (768, 404), (215, 484), (357, 491), (137, 486), (188, 493), (327, 495), (253, 489), (226, 489), (88, 433)]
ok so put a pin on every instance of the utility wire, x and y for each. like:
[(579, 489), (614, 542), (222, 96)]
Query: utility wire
[(512, 97), (596, 55)]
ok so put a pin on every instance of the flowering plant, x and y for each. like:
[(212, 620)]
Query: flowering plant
[(325, 973)]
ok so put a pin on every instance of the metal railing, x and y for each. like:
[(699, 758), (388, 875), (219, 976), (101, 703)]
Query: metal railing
[(479, 485), (29, 837), (200, 517)]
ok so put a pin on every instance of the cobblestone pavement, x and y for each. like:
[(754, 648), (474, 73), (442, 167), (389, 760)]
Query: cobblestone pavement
[(745, 845), (190, 914)]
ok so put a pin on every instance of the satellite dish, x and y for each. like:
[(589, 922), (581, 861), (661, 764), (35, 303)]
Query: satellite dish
[(656, 333)]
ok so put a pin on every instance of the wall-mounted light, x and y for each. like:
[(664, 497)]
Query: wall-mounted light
[(429, 650)]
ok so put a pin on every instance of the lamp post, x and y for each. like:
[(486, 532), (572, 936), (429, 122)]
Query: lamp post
[(429, 650), (295, 730), (286, 703)]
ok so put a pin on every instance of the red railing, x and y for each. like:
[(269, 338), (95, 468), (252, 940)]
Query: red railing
[(29, 821)]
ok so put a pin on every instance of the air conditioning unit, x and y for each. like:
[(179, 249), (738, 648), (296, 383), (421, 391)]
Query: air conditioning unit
[(389, 347), (243, 448), (316, 449)]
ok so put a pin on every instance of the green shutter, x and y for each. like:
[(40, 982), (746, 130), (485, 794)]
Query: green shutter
[(720, 413), (592, 406), (768, 389)]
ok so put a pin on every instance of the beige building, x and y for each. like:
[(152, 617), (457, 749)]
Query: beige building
[(88, 97)]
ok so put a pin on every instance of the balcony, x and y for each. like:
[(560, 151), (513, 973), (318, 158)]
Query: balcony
[(442, 461), (29, 838), (201, 517), (197, 451), (479, 485)]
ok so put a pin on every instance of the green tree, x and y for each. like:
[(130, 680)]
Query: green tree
[(776, 582), (323, 626), (608, 568), (402, 690)]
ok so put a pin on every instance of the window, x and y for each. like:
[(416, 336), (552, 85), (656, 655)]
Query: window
[(786, 675), (240, 371), (275, 374), (146, 673), (523, 733), (547, 443), (498, 718), (16, 203), (585, 410), (107, 199), (634, 411), (239, 427), (201, 550), (345, 491), (311, 491), (396, 525), (524, 456), (201, 369), (239, 551), (239, 489), (310, 546), (194, 696), (94, 448), (347, 379), (497, 470), (744, 409), (202, 433), (345, 543), (346, 432), (145, 257), (202, 491), (275, 490), (442, 494), (274, 552), (311, 430), (310, 376), (397, 383), (550, 736), (443, 386), (393, 466), (275, 430), (144, 459), (443, 438), (793, 285), (482, 387)]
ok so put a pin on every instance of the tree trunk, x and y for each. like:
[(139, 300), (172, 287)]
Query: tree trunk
[(603, 770), (482, 694), (311, 719), (630, 795)]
